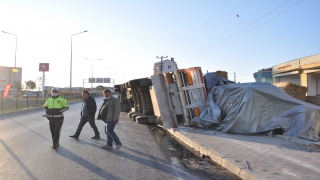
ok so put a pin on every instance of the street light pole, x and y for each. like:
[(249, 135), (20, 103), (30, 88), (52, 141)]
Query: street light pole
[(92, 68), (120, 74), (120, 78), (109, 74), (71, 62), (83, 84), (15, 65)]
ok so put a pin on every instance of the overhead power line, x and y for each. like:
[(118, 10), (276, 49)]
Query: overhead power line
[(203, 24), (213, 23), (203, 53), (206, 45)]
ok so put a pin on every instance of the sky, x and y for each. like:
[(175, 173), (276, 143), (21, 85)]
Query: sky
[(236, 36)]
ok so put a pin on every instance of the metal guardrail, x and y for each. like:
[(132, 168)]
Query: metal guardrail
[(13, 104)]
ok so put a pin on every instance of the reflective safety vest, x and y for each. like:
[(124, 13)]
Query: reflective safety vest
[(55, 108)]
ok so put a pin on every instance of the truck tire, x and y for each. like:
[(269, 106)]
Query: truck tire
[(145, 82), (142, 120), (134, 83), (133, 117), (116, 90), (117, 86), (130, 114), (140, 82)]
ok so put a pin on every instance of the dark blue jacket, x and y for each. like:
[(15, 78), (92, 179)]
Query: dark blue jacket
[(91, 106)]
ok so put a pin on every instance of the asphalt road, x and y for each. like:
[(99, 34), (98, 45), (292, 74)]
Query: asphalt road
[(26, 153)]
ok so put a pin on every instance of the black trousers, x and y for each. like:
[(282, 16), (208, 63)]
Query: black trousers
[(83, 121), (55, 128)]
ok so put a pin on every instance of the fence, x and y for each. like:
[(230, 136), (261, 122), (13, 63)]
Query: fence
[(14, 103)]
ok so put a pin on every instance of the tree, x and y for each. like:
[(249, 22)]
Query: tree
[(30, 84), (39, 82), (100, 88), (22, 86), (18, 85)]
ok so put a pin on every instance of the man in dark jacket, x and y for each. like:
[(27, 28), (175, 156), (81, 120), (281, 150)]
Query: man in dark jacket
[(88, 111)]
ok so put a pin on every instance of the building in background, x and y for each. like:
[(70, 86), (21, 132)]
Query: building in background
[(302, 71), (10, 75), (264, 75)]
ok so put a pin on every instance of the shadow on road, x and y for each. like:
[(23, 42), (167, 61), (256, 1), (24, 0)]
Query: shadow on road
[(24, 167)]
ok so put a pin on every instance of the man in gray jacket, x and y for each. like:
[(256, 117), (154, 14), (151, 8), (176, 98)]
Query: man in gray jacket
[(109, 113)]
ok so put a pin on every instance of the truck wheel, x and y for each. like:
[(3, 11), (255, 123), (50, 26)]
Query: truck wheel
[(117, 86), (116, 90), (130, 114), (133, 117), (142, 120), (134, 83), (145, 82)]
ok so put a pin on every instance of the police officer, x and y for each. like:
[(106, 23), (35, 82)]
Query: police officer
[(55, 106)]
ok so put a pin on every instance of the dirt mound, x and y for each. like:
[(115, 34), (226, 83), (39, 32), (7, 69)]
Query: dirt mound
[(294, 90)]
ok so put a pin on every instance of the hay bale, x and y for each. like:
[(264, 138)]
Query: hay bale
[(223, 74), (294, 90), (313, 100)]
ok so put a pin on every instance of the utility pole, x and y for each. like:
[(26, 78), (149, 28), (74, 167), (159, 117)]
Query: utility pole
[(161, 65), (71, 63), (234, 76), (109, 75), (43, 81), (92, 68), (15, 68), (83, 84)]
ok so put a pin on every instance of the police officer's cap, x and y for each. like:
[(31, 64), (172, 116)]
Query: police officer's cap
[(54, 89)]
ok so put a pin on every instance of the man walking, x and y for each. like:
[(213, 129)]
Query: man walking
[(88, 111), (55, 106), (109, 113)]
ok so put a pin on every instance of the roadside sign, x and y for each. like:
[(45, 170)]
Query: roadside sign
[(99, 80), (6, 91), (106, 80), (92, 80), (43, 66)]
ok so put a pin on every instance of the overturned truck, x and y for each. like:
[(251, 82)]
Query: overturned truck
[(173, 97), (170, 97)]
